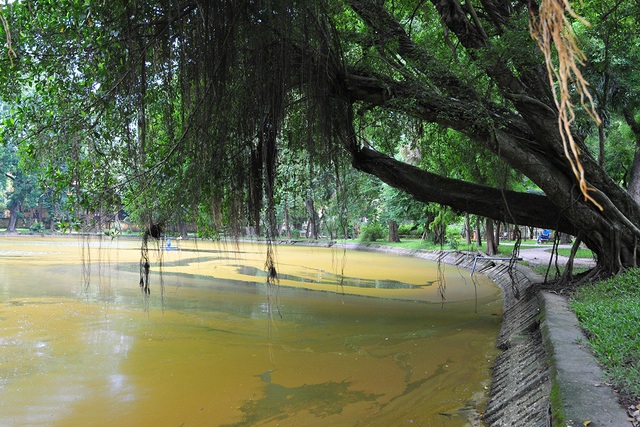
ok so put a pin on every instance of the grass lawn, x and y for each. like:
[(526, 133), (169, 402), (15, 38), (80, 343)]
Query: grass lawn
[(609, 313), (581, 253), (503, 249)]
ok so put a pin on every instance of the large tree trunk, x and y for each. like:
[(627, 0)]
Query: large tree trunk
[(312, 230), (492, 247), (13, 217), (393, 232), (521, 208), (182, 229), (467, 229), (287, 222), (634, 176), (524, 208)]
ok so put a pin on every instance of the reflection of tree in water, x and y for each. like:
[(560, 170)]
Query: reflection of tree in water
[(280, 402)]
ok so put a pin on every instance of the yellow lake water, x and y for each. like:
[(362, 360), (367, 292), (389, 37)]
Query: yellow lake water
[(345, 339)]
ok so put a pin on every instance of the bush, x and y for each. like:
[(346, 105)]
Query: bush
[(372, 232), (454, 237), (404, 230), (410, 230), (418, 232), (37, 227)]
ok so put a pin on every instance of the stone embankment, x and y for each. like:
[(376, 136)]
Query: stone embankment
[(544, 375)]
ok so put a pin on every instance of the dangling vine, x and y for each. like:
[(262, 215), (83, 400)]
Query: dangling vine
[(515, 256), (553, 259), (154, 231), (552, 28)]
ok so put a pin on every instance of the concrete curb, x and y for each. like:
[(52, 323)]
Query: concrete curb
[(576, 376)]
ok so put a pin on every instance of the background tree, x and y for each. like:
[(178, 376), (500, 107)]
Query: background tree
[(21, 190)]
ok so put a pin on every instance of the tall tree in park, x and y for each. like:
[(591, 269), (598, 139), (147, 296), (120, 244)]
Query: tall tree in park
[(20, 189), (185, 104)]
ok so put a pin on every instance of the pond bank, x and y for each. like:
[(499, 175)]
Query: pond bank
[(545, 375)]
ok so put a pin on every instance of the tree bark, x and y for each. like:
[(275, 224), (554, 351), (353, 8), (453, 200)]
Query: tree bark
[(492, 248), (13, 217), (182, 229), (524, 208), (287, 222), (634, 176), (467, 229), (312, 230), (393, 232)]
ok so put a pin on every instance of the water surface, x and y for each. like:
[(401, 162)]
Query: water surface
[(346, 339)]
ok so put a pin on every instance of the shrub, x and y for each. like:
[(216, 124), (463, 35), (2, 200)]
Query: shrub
[(453, 239), (411, 230), (372, 232), (404, 230), (37, 227)]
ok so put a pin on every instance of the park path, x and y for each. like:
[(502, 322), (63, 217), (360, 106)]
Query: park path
[(540, 256)]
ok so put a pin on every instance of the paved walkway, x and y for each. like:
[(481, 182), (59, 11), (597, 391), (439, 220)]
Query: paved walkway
[(582, 389), (585, 396), (540, 256)]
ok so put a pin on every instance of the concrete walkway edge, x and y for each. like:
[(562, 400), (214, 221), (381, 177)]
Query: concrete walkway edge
[(583, 396)]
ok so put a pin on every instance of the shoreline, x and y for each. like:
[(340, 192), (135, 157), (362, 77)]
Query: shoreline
[(546, 374)]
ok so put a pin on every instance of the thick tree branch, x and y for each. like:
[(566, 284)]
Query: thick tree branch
[(503, 205)]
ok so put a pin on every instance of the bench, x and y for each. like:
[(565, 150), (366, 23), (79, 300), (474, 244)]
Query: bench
[(544, 237)]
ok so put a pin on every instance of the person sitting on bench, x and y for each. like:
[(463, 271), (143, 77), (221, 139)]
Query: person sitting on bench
[(544, 236)]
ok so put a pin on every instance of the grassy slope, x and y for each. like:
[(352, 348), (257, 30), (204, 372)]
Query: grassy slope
[(609, 313)]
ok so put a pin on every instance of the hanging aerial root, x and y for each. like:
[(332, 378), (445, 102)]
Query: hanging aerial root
[(567, 275), (272, 280), (552, 28), (515, 256), (144, 265), (7, 30), (154, 231)]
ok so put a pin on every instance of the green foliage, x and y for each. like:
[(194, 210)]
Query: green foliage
[(609, 313), (404, 229), (454, 238), (37, 227), (19, 187), (295, 233), (372, 232), (397, 205), (112, 232), (411, 230), (70, 225)]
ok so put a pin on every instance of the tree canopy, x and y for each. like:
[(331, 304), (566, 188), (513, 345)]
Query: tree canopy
[(178, 109)]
